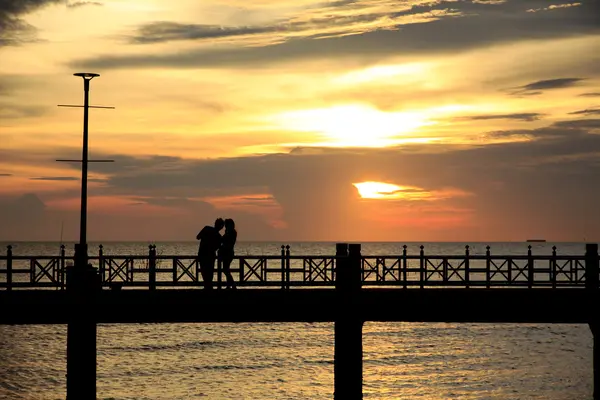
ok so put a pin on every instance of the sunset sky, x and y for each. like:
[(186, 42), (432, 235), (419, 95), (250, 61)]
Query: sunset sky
[(373, 120)]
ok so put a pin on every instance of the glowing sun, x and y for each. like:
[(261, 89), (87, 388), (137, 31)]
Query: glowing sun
[(354, 125)]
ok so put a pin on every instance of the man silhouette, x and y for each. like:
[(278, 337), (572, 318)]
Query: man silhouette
[(210, 241)]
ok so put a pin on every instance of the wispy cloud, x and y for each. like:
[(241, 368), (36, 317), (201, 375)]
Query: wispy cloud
[(54, 178), (336, 19), (13, 29), (589, 111), (515, 116), (78, 4), (539, 87), (365, 30), (20, 111), (554, 7), (5, 175), (590, 94)]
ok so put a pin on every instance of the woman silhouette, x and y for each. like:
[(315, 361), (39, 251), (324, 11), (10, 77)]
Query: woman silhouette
[(226, 251)]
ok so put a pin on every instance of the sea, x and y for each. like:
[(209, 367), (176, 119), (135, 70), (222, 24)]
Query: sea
[(428, 361)]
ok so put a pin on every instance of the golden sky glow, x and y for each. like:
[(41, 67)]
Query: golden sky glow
[(289, 113)]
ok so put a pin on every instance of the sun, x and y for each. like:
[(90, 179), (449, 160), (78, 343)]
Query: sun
[(383, 190), (354, 124), (377, 190)]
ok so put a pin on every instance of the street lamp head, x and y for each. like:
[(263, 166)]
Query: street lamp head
[(86, 75)]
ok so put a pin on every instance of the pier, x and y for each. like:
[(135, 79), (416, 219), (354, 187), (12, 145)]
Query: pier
[(347, 288)]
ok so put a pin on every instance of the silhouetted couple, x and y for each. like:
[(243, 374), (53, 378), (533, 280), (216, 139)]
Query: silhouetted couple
[(213, 245)]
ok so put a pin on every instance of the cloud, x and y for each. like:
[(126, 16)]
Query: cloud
[(22, 215), (579, 124), (554, 7), (317, 21), (10, 110), (589, 111), (13, 30), (4, 175), (538, 87), (552, 84), (590, 94), (163, 31), (78, 4), (483, 24), (507, 182), (515, 116), (54, 178)]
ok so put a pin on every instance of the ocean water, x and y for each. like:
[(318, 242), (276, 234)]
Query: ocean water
[(295, 360)]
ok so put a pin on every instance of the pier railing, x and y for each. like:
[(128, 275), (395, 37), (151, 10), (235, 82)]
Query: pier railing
[(285, 271)]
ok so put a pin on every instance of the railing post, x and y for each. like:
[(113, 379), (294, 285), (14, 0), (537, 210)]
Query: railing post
[(422, 266), (287, 265), (591, 284), (61, 272), (283, 285), (175, 269), (591, 266), (467, 267), (9, 267), (241, 260), (152, 267), (101, 263), (404, 266), (530, 268), (488, 267), (553, 268), (348, 326)]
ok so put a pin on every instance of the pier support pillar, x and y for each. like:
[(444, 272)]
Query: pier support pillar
[(82, 284), (595, 328), (348, 324), (592, 271)]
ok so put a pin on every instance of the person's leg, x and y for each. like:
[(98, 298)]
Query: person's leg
[(226, 268), (207, 266), (210, 270)]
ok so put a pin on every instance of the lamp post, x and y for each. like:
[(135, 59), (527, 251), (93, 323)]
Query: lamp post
[(81, 253), (81, 284), (81, 247)]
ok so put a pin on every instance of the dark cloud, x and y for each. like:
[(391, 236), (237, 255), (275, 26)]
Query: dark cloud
[(589, 111), (13, 30), (551, 84), (163, 31), (591, 94), (484, 24), (579, 124), (324, 20), (54, 178), (6, 174), (168, 201), (9, 110), (21, 215), (538, 87), (78, 4), (515, 116)]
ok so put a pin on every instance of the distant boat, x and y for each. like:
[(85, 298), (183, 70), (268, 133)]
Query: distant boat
[(537, 240)]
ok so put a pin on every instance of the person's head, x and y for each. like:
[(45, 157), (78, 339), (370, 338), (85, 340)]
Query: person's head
[(219, 224), (229, 224)]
